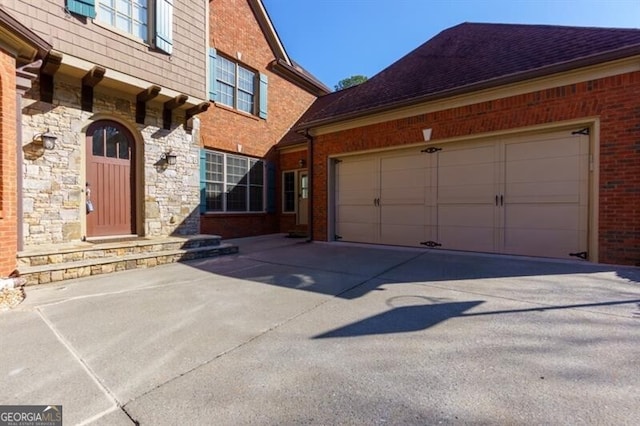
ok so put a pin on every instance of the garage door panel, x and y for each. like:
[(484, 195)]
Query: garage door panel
[(400, 214), (466, 227), (466, 238), (552, 192), (402, 234), (356, 188), (412, 161), (467, 194), (355, 198), (351, 213), (357, 232), (544, 170), (543, 217), (466, 156), (403, 195), (403, 179), (543, 242), (467, 175), (539, 148), (357, 175), (466, 215), (546, 196), (464, 175)]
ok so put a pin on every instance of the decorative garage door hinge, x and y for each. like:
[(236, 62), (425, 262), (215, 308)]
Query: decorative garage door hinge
[(584, 131), (581, 254), (430, 244), (337, 237), (431, 150)]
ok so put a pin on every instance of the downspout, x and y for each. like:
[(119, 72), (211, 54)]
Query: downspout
[(310, 177), (19, 166)]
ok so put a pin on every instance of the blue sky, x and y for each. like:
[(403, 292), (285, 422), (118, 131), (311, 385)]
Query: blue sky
[(335, 39)]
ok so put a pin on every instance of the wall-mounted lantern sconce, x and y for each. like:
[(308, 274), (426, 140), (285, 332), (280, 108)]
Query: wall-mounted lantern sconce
[(302, 162), (170, 158), (47, 139)]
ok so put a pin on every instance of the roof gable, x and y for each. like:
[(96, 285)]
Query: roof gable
[(472, 56), (283, 64)]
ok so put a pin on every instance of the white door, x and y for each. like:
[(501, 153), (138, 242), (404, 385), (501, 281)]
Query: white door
[(357, 189), (467, 188), (303, 198), (405, 201), (546, 195)]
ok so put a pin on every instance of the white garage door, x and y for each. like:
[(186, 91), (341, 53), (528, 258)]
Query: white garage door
[(525, 195)]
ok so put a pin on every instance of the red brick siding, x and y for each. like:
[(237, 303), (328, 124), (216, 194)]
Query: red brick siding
[(239, 225), (233, 28), (8, 197), (615, 100)]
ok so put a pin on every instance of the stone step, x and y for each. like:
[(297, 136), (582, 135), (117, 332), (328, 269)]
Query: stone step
[(83, 250), (42, 274)]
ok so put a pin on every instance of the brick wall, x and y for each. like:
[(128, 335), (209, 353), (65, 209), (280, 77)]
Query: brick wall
[(615, 100), (233, 29), (238, 225), (8, 198)]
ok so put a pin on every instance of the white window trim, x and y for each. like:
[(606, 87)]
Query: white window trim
[(236, 86), (151, 22), (224, 183)]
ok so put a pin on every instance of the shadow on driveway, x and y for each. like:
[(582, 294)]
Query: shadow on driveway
[(406, 319), (341, 269)]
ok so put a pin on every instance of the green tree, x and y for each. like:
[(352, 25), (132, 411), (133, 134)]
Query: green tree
[(354, 80)]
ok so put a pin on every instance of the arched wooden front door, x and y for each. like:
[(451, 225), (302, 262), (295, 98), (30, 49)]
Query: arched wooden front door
[(110, 180)]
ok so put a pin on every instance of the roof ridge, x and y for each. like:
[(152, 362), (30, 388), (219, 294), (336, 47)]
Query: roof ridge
[(470, 56)]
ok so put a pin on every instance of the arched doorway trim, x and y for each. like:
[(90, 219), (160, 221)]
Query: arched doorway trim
[(110, 179)]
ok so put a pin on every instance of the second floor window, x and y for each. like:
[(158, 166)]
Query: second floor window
[(130, 16), (151, 21), (236, 86)]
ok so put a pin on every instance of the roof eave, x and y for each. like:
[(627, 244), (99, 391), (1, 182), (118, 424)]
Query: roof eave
[(269, 30), (611, 55), (289, 72), (27, 45)]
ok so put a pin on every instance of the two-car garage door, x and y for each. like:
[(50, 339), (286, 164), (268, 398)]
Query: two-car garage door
[(521, 195)]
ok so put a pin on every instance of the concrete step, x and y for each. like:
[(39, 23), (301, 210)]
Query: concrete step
[(57, 263), (299, 231)]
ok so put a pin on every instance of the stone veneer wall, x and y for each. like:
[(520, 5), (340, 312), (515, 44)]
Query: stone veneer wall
[(54, 180)]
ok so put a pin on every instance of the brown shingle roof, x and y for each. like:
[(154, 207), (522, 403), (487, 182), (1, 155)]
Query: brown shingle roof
[(472, 56)]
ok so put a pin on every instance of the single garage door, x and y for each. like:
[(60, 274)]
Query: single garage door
[(522, 195)]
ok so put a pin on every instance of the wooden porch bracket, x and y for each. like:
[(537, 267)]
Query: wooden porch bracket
[(192, 112), (89, 81), (49, 67), (170, 106), (141, 102)]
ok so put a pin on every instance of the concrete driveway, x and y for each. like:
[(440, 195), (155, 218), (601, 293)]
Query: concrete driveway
[(288, 332)]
